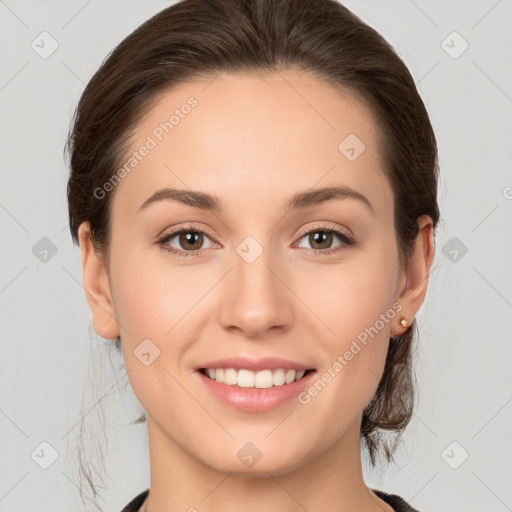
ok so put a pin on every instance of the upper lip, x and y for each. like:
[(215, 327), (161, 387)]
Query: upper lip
[(263, 363)]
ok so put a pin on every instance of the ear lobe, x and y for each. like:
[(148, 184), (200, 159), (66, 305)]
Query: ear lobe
[(96, 285), (418, 270)]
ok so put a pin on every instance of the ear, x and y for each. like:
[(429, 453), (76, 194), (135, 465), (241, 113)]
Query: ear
[(97, 286), (414, 280)]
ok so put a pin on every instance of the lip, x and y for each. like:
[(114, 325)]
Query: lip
[(255, 365), (255, 399)]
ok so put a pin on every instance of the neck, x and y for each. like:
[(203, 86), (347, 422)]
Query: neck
[(332, 480)]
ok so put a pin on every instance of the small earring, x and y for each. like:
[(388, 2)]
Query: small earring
[(404, 322)]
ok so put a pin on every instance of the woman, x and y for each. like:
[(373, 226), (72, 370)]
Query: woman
[(254, 190)]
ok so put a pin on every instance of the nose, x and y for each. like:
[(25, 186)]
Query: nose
[(255, 297)]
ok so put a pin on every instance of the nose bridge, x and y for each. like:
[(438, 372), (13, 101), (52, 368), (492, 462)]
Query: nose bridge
[(255, 296)]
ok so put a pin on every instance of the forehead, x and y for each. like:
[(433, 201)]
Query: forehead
[(254, 136)]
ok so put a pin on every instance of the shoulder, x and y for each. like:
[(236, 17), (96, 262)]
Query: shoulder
[(397, 502), (136, 503)]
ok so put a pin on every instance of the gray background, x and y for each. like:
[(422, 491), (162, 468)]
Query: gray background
[(50, 352)]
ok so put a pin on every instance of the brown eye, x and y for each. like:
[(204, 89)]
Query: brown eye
[(190, 241), (321, 240)]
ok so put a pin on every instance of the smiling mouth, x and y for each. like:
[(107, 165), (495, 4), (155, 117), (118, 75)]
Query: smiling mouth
[(261, 379)]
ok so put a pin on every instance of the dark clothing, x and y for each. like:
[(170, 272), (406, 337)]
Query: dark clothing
[(136, 503), (398, 503)]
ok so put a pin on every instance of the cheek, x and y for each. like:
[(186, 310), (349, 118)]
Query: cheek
[(353, 297), (357, 306), (154, 306), (152, 298)]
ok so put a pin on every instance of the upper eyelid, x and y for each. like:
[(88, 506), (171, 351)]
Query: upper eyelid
[(326, 227)]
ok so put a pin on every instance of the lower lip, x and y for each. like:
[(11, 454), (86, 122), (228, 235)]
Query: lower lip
[(255, 399)]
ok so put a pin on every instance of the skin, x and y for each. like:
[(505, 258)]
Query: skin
[(255, 140)]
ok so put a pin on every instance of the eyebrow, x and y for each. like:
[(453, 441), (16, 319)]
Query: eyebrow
[(299, 200)]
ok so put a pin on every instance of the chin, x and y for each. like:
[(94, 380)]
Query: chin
[(276, 463)]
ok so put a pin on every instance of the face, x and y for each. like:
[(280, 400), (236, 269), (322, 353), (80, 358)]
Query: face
[(316, 284)]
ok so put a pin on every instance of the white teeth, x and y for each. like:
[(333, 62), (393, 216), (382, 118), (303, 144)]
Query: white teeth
[(245, 378), (230, 376), (249, 379), (300, 374), (290, 376)]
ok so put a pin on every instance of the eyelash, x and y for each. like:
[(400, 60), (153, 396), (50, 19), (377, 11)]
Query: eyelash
[(347, 240)]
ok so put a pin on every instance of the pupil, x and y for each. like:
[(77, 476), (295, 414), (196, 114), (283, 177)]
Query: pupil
[(324, 236), (189, 238)]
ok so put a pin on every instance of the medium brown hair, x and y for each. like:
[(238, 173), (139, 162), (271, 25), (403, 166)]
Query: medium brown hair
[(200, 38)]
